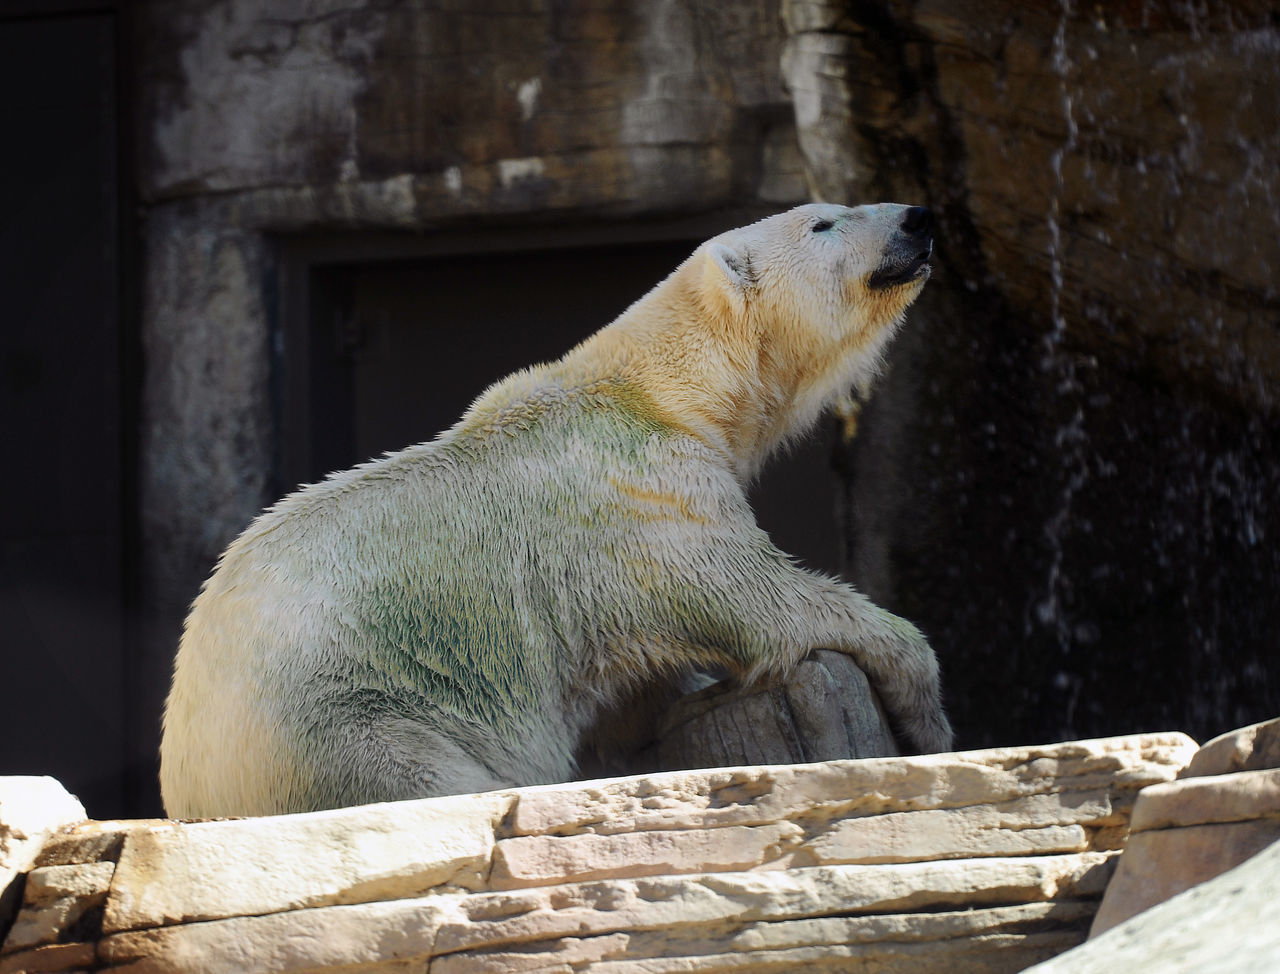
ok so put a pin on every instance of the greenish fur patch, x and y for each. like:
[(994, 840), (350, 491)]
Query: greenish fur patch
[(483, 649)]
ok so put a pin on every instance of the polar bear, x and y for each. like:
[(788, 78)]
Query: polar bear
[(454, 617)]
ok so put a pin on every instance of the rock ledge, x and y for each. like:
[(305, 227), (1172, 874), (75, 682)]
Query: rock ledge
[(983, 860)]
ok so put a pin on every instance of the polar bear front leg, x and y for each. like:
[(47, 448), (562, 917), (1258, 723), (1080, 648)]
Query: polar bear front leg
[(894, 655), (732, 598)]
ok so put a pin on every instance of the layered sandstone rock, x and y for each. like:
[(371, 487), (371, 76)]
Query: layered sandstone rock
[(1227, 925), (1224, 809), (30, 809), (985, 860)]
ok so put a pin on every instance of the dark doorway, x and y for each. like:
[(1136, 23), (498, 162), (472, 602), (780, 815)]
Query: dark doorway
[(63, 394), (391, 352)]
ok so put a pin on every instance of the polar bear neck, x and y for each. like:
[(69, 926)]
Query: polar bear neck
[(712, 373)]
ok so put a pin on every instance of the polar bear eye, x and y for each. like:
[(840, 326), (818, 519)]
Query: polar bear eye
[(822, 225)]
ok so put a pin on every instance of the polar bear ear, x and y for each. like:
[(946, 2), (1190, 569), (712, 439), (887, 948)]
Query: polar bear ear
[(728, 274)]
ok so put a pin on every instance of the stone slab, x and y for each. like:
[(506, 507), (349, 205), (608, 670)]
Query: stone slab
[(55, 899), (1236, 797), (538, 860), (1252, 748), (410, 931), (986, 954), (31, 809), (50, 959), (1160, 864), (381, 935), (1228, 925), (892, 939), (698, 855), (939, 834), (1117, 766), (213, 870), (1187, 831), (491, 919), (90, 842)]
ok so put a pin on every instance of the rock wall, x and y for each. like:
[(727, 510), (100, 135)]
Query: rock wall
[(981, 861), (1065, 478)]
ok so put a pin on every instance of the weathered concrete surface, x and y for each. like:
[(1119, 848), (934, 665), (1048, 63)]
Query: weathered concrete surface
[(986, 860), (505, 107), (1229, 925), (1065, 476)]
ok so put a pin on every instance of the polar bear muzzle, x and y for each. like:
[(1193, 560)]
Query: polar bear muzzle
[(906, 257)]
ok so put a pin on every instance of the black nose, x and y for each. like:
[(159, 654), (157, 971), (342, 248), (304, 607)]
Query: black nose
[(918, 220)]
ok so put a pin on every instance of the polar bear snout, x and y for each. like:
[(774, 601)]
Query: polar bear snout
[(918, 221), (907, 254)]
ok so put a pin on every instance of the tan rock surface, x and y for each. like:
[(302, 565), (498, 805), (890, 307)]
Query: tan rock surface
[(56, 898), (546, 928), (31, 808), (1188, 831), (327, 938), (50, 957), (1228, 925), (982, 860), (999, 939), (1252, 748), (1237, 797), (204, 870), (943, 834), (1159, 865), (491, 919), (1112, 769), (536, 860)]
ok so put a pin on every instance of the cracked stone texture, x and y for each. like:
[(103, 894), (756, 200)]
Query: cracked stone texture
[(982, 860)]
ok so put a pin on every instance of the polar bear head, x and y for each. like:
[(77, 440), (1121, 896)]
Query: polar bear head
[(813, 295)]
